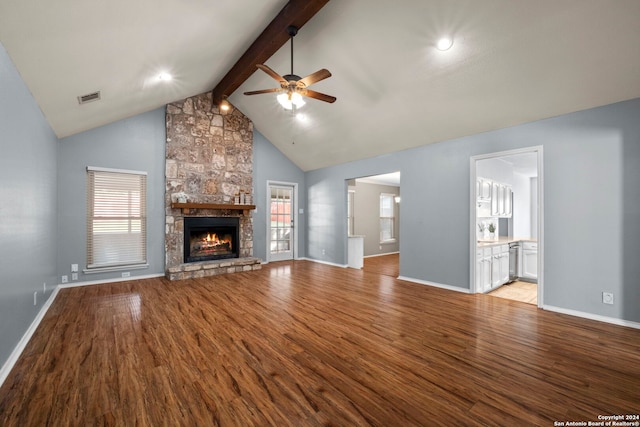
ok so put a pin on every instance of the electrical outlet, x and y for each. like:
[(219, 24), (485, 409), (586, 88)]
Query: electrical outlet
[(74, 276), (126, 274), (65, 279), (607, 297), (323, 252), (35, 298), (74, 268)]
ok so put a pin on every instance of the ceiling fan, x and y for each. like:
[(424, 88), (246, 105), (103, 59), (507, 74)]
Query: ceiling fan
[(293, 87)]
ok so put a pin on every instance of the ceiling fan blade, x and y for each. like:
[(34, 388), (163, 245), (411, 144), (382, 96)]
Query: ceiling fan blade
[(317, 95), (315, 77), (257, 92), (273, 74)]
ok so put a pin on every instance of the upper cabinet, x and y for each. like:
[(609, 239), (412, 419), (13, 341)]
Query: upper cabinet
[(484, 189), (499, 196), (508, 201)]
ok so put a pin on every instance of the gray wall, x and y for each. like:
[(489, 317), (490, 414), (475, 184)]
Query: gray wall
[(366, 215), (27, 207), (269, 164), (591, 218), (137, 143)]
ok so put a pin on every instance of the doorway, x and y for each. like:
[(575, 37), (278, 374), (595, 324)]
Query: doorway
[(282, 212), (506, 225), (373, 222)]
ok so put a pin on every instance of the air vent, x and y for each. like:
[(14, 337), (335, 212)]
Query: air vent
[(95, 96)]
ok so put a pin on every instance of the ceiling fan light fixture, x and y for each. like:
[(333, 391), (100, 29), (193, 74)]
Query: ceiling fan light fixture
[(292, 87), (290, 100)]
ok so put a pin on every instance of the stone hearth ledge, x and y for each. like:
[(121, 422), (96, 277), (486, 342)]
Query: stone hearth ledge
[(196, 270)]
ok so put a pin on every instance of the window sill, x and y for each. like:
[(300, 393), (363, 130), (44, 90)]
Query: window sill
[(114, 268), (388, 242)]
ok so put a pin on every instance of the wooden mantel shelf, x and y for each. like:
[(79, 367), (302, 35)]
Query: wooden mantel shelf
[(186, 207)]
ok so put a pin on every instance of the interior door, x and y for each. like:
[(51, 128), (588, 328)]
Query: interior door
[(281, 222)]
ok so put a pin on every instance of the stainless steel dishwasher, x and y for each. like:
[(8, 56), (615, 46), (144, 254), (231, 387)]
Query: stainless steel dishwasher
[(514, 260)]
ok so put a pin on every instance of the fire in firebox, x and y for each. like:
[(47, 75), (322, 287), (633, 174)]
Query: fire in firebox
[(206, 244)]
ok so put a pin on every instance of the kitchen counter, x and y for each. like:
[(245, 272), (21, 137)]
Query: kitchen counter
[(503, 240)]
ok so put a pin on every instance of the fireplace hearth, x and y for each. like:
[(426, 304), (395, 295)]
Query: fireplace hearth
[(211, 238)]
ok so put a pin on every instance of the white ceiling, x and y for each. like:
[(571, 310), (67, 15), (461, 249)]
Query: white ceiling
[(512, 62), (67, 48), (392, 179), (525, 164)]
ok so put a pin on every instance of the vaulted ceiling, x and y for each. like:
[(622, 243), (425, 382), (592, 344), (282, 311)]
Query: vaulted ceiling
[(511, 62)]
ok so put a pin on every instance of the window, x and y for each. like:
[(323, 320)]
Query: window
[(116, 218), (350, 202), (387, 218)]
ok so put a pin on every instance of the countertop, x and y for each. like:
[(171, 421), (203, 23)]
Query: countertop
[(503, 240)]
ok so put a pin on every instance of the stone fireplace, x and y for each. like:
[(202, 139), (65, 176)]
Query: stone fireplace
[(209, 160)]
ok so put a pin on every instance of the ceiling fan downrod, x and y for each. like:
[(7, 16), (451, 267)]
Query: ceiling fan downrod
[(292, 30)]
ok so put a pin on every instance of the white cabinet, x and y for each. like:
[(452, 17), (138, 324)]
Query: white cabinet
[(483, 194), (492, 267), (504, 265), (495, 271), (508, 201), (529, 260), (483, 189), (483, 269), (499, 265), (355, 251), (495, 202), (501, 200)]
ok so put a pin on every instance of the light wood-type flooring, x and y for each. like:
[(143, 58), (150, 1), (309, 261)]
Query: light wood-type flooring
[(305, 344), (518, 291)]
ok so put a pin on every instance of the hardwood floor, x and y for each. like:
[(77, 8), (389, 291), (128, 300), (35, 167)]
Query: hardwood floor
[(389, 265), (305, 344)]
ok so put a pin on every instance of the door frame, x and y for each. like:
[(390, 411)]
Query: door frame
[(473, 206), (294, 207)]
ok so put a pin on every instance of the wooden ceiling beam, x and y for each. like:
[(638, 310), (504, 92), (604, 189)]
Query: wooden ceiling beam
[(295, 12)]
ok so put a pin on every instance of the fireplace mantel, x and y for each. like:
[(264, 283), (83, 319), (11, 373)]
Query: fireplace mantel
[(186, 207)]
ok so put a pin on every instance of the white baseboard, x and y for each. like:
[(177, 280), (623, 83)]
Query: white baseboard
[(104, 281), (333, 264), (386, 253), (17, 351), (434, 284), (591, 316)]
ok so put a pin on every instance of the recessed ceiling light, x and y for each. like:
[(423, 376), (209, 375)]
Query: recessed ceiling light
[(301, 117), (165, 77), (445, 43)]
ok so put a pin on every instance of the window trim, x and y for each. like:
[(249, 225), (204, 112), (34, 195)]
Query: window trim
[(116, 265), (392, 218), (351, 198)]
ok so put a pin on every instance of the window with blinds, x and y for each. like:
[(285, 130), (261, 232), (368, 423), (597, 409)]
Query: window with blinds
[(116, 218), (387, 218)]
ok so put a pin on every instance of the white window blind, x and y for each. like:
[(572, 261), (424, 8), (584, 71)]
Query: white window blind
[(116, 218), (387, 218), (350, 203)]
